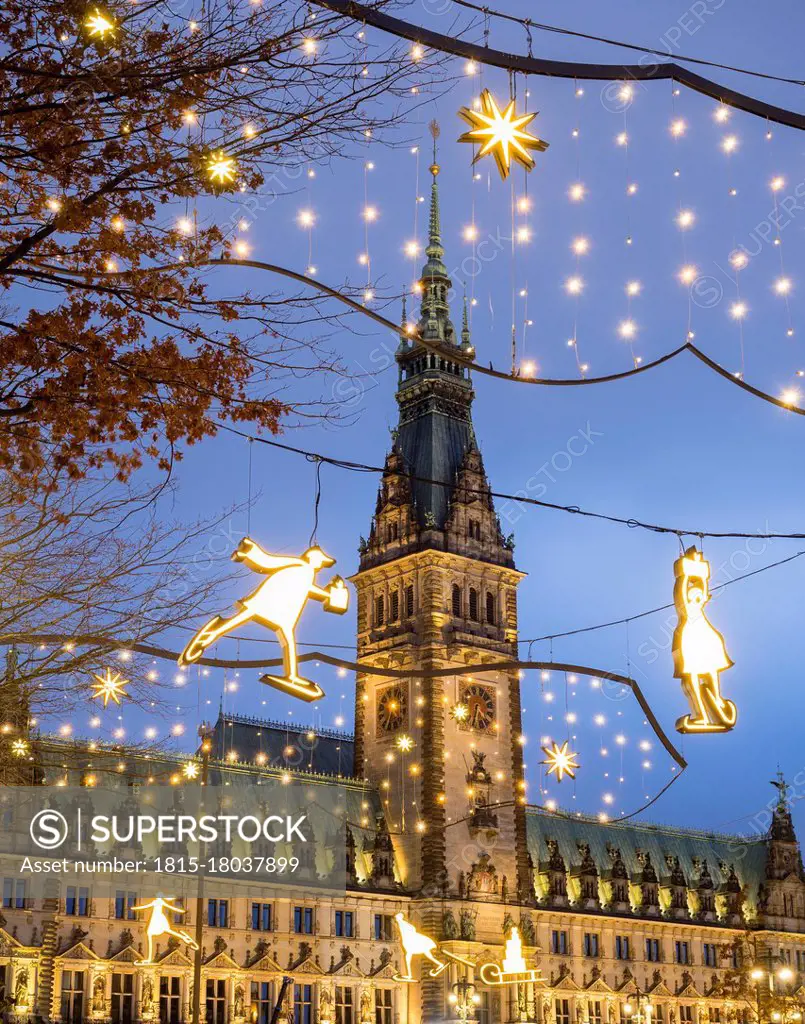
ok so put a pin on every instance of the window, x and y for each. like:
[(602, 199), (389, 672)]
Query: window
[(14, 893), (591, 944), (682, 953), (622, 948), (686, 1014), (124, 901), (457, 600), (490, 609), (709, 955), (559, 942), (303, 1004), (474, 529), (800, 955), (77, 902), (344, 1005), (594, 1011), (384, 1006), (261, 917), (626, 1018), (384, 927), (122, 998), (170, 1000), (379, 613), (344, 923), (216, 1001), (715, 1015), (394, 606), (562, 1011), (392, 532), (483, 1009), (735, 957), (473, 604), (653, 950), (658, 1016), (218, 913), (262, 1002), (72, 996), (303, 920), (409, 600)]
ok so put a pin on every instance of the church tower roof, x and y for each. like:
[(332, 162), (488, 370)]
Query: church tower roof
[(434, 444)]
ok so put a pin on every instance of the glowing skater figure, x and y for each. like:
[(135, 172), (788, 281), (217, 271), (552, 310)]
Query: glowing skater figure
[(158, 924), (414, 943), (699, 651), (277, 603)]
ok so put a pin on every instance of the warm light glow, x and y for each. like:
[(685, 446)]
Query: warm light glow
[(470, 233), (109, 686), (790, 396), (523, 234), (560, 760), (678, 127), (576, 192), (523, 204), (221, 169), (310, 46), (405, 744), (729, 143), (688, 274), (627, 329), (738, 310), (580, 246), (191, 770), (370, 213), (574, 285), (306, 218), (159, 925), (622, 139), (413, 944), (685, 219), (698, 649), (777, 183), (277, 603), (412, 249), (633, 288), (625, 93), (782, 285), (460, 712), (501, 133), (739, 259), (185, 225), (417, 52), (241, 248), (722, 114), (19, 748), (99, 24)]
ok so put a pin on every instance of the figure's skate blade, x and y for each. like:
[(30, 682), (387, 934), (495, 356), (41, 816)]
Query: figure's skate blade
[(304, 689)]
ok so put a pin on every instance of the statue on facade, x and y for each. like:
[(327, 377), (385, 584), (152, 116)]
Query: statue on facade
[(527, 931), (467, 925), (98, 996), (366, 1007), (240, 999), (22, 998), (449, 925), (147, 998)]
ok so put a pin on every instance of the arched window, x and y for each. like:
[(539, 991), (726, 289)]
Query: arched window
[(490, 609), (394, 606), (457, 600), (409, 600), (379, 610), (473, 604)]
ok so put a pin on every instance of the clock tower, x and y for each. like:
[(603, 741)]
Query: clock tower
[(437, 595)]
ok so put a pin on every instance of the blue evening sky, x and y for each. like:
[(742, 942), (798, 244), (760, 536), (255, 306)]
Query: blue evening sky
[(678, 445)]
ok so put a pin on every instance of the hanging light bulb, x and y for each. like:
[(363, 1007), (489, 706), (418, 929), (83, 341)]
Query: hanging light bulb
[(782, 285), (729, 143), (685, 219), (580, 246), (688, 274), (678, 127), (722, 114), (576, 192), (738, 310), (633, 288), (627, 329), (574, 286), (777, 183)]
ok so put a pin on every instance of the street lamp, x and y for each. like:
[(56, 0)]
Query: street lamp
[(464, 998), (638, 1017)]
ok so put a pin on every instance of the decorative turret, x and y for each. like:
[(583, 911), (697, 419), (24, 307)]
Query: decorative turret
[(781, 900)]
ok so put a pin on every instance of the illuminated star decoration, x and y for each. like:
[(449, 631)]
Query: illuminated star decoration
[(460, 712), (560, 760), (99, 25), (405, 744), (110, 686), (190, 770), (19, 748), (501, 133), (221, 170)]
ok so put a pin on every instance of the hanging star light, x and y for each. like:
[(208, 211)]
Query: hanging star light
[(501, 133), (190, 770), (405, 744), (100, 25), (221, 171), (560, 760), (19, 748), (110, 686), (460, 712)]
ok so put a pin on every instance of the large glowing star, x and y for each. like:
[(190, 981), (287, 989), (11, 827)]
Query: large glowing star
[(414, 943), (158, 925), (221, 171), (560, 760), (514, 970), (109, 686), (277, 604), (99, 25), (501, 133), (698, 649)]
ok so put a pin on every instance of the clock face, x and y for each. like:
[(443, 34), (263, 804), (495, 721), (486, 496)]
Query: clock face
[(392, 709), (481, 707)]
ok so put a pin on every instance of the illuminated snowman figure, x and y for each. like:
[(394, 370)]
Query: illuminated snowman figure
[(158, 924), (698, 650)]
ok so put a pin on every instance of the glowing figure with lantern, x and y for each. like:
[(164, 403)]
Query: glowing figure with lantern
[(277, 603), (698, 650)]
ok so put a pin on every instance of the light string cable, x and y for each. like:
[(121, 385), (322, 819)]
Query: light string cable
[(573, 69), (454, 353)]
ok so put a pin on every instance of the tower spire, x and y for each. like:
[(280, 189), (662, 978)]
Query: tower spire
[(434, 226)]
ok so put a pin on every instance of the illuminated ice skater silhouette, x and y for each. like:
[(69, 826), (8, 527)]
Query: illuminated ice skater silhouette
[(158, 924), (277, 604), (698, 649), (414, 943)]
